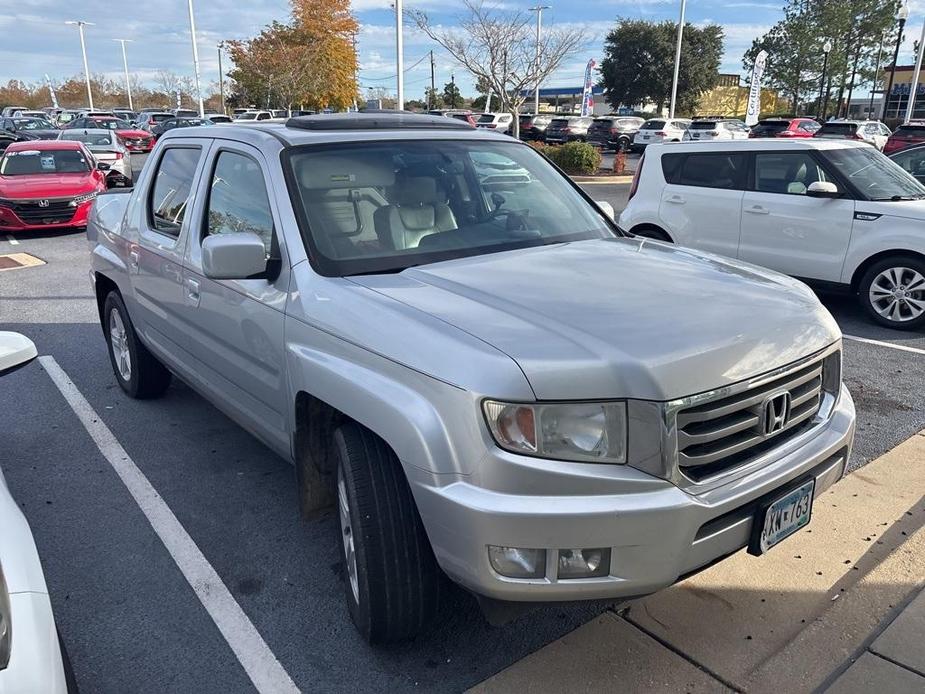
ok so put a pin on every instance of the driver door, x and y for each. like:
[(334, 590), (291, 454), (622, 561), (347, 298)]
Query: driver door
[(785, 229)]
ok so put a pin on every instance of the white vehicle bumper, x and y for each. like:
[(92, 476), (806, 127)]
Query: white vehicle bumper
[(35, 657)]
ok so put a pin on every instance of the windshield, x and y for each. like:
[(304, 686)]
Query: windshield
[(112, 124), (875, 176), (92, 139), (910, 131), (26, 162), (384, 207), (219, 119), (486, 118), (653, 125), (247, 116), (837, 130), (770, 127), (32, 124), (703, 125)]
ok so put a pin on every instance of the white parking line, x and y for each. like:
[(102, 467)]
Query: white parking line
[(258, 661), (879, 343), (12, 240)]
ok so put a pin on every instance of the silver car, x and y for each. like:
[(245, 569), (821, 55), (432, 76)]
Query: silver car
[(493, 382), (107, 148)]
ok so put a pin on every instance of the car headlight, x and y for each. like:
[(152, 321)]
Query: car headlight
[(6, 628), (576, 431)]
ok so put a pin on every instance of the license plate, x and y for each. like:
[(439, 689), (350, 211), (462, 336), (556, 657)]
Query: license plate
[(782, 517)]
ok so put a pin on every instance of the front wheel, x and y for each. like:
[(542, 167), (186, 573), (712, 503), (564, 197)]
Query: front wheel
[(652, 232), (138, 372), (893, 292), (392, 577)]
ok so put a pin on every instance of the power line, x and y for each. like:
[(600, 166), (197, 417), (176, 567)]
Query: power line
[(392, 77)]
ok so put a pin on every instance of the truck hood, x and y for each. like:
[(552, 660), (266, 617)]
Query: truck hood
[(46, 185), (621, 317)]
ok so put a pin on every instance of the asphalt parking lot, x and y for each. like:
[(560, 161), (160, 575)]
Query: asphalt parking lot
[(129, 618)]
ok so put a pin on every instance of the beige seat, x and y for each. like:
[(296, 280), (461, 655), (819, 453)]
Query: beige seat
[(417, 209)]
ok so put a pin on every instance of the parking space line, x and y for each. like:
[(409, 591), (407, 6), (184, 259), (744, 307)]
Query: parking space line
[(880, 343), (12, 240), (258, 661)]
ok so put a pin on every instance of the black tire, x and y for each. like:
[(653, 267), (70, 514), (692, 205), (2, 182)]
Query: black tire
[(145, 376), (652, 232), (623, 144), (397, 589), (896, 272)]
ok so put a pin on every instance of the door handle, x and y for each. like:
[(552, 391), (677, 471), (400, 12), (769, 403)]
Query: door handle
[(133, 260), (757, 209), (192, 291), (676, 199)]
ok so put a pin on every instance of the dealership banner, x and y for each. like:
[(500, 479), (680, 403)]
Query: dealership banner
[(587, 99), (754, 92)]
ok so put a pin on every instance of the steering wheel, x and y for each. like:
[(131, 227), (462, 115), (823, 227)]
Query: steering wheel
[(516, 219)]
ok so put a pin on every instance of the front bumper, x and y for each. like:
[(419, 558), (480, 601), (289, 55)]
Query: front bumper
[(657, 532), (9, 221)]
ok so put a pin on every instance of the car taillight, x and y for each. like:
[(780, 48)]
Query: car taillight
[(659, 133), (635, 184)]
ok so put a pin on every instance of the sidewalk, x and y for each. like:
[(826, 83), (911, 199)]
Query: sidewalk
[(838, 607)]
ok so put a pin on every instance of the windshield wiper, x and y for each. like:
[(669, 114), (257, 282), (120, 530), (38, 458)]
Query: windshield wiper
[(900, 198)]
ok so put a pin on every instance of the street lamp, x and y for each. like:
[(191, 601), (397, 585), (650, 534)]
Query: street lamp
[(823, 104), (677, 61), (539, 24), (221, 77), (901, 16), (399, 55), (80, 24), (915, 77), (192, 31), (128, 85)]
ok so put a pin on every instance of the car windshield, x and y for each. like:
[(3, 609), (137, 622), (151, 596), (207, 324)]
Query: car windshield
[(388, 206), (112, 123), (247, 116), (160, 117), (771, 127), (486, 118), (703, 125), (653, 125), (32, 124), (910, 131), (92, 139), (874, 175), (26, 162), (219, 119), (837, 130)]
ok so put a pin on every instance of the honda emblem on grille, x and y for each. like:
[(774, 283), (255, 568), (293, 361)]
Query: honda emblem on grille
[(775, 413), (43, 203)]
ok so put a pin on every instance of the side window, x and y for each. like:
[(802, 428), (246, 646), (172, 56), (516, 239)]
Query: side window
[(912, 160), (808, 127), (788, 173), (871, 129), (238, 199), (884, 130), (263, 116), (170, 193), (714, 170)]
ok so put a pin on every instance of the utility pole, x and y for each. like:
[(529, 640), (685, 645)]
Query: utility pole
[(128, 85), (539, 28), (677, 61), (433, 86), (453, 82), (915, 77), (902, 16), (192, 31), (873, 87), (399, 56), (221, 77), (83, 49)]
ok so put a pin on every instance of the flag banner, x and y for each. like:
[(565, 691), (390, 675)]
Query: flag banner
[(587, 99), (754, 91)]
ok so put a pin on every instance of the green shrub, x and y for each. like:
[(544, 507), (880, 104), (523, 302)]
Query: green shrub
[(575, 158)]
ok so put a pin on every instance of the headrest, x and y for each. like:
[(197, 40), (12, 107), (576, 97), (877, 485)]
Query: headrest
[(331, 171), (419, 190)]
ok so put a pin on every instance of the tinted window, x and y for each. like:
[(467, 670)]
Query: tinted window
[(653, 125), (788, 172), (837, 130), (173, 184), (769, 128), (714, 170), (915, 131), (704, 125), (238, 199)]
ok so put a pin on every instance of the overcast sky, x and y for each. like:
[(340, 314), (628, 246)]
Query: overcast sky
[(36, 41)]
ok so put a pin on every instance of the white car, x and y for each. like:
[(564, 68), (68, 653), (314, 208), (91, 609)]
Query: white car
[(249, 116), (657, 130), (710, 130), (30, 652), (106, 147), (31, 114), (873, 132), (499, 122), (833, 212)]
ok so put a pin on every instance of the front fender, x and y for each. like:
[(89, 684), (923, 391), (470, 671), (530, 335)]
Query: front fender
[(903, 236)]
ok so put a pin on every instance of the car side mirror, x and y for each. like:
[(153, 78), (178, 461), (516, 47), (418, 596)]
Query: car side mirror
[(607, 209), (102, 166), (234, 256), (15, 351), (822, 189)]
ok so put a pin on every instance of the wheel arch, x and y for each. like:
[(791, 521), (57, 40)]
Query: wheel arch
[(103, 285), (646, 226), (864, 266)]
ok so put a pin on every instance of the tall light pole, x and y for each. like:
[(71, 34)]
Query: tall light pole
[(221, 77), (824, 100), (192, 31), (128, 84), (539, 28), (83, 49), (915, 77), (901, 16), (677, 61), (399, 56), (873, 86)]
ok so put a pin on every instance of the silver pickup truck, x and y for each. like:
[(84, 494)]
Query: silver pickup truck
[(438, 328)]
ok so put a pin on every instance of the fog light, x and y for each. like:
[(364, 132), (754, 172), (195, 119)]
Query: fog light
[(584, 563), (517, 562)]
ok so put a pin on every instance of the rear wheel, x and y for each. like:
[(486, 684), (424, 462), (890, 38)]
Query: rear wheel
[(652, 232), (138, 372), (623, 144), (893, 292), (392, 578)]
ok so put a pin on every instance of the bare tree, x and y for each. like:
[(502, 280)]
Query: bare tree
[(499, 48)]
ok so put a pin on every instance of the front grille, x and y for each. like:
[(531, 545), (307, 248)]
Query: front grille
[(57, 211), (722, 433)]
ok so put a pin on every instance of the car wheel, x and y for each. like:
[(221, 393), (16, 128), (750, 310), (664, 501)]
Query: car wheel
[(623, 144), (391, 576), (652, 232), (893, 292), (138, 372)]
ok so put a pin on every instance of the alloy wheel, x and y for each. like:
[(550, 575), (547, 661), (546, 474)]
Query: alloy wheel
[(346, 529), (119, 341), (898, 294)]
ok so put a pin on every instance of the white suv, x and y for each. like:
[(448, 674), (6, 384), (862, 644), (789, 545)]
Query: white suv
[(834, 212), (657, 130), (708, 130), (873, 132)]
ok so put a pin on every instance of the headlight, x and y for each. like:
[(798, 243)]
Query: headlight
[(6, 629), (577, 431)]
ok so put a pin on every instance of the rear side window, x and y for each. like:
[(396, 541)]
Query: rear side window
[(809, 126), (725, 170), (172, 187), (238, 199), (787, 172)]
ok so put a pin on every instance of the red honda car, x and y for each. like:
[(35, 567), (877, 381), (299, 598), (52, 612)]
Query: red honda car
[(48, 184), (135, 140), (785, 127), (906, 135)]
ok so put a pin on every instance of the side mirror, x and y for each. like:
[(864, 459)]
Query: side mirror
[(15, 351), (607, 209), (822, 189), (102, 166), (234, 256)]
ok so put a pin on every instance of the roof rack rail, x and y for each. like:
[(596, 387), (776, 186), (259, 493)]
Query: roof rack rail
[(376, 120)]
